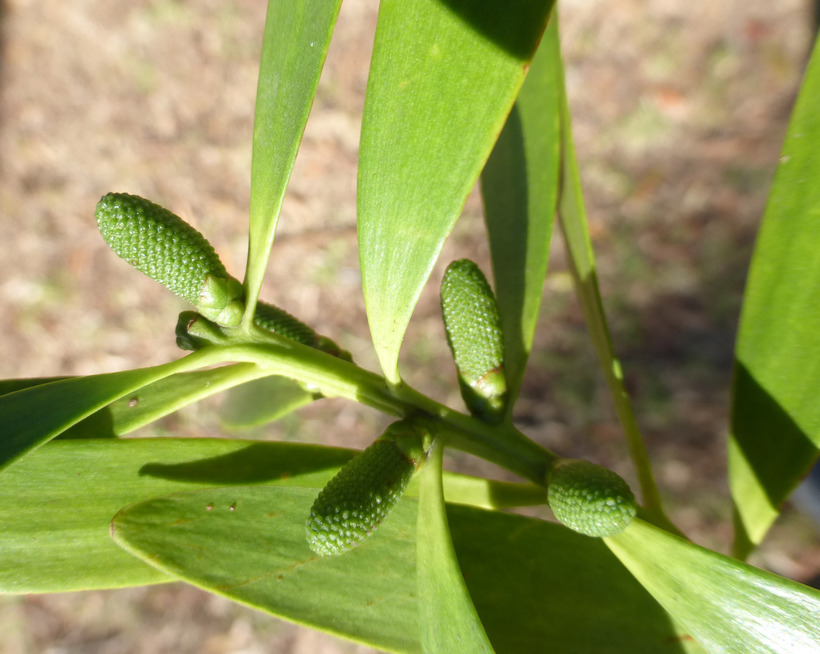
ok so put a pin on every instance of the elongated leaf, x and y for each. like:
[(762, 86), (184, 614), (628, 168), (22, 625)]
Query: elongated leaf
[(726, 605), (57, 503), (32, 416), (443, 77), (447, 618), (775, 413), (519, 185), (159, 399), (263, 401), (574, 224), (537, 586), (297, 36)]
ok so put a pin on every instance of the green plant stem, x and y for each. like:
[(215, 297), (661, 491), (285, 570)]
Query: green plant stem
[(333, 377), (572, 216)]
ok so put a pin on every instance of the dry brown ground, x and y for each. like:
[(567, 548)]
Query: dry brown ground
[(679, 108)]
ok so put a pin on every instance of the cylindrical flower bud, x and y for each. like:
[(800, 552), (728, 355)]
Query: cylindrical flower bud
[(363, 492), (170, 251), (473, 329)]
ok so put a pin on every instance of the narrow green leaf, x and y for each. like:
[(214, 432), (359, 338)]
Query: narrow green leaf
[(297, 36), (572, 215), (775, 432), (519, 186), (726, 605), (161, 398), (27, 424), (263, 401), (56, 505), (447, 617), (537, 586), (443, 77), (12, 385)]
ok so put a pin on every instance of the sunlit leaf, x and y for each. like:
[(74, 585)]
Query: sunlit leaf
[(297, 36), (536, 585), (447, 618), (519, 186), (775, 413), (726, 605), (443, 77), (34, 415), (149, 403)]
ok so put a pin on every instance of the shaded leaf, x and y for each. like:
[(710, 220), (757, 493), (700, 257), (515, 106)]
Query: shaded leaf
[(56, 504), (775, 431), (726, 605), (263, 401), (297, 36), (443, 77), (519, 186), (527, 601)]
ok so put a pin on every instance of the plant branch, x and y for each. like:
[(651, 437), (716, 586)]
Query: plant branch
[(333, 377)]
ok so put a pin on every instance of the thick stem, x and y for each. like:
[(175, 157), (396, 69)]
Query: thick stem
[(333, 377)]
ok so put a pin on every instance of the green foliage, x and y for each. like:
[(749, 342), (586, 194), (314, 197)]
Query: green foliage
[(775, 426), (519, 187), (449, 571), (448, 620), (435, 65), (725, 605), (474, 334)]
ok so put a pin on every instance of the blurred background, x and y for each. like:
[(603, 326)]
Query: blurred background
[(679, 112)]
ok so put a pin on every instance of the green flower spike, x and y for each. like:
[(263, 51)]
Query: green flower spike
[(363, 492), (589, 498), (279, 321), (170, 251), (474, 334)]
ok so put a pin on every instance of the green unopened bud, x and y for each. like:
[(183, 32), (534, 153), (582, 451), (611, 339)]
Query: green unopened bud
[(589, 498), (473, 329), (363, 492), (170, 251), (279, 321)]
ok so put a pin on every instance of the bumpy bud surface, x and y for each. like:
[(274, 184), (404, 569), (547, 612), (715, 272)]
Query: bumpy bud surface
[(589, 498), (474, 333), (158, 243), (279, 321), (364, 491)]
